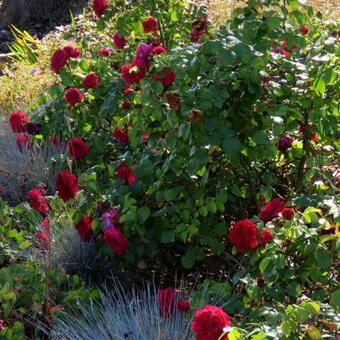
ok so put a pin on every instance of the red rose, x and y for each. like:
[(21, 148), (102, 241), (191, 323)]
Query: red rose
[(99, 6), (266, 236), (77, 148), (168, 78), (105, 52), (183, 305), (271, 210), (17, 121), (145, 137), (67, 185), (287, 213), (159, 50), (91, 81), (84, 228), (150, 25), (261, 282), (125, 174), (243, 235), (125, 104), (304, 29), (38, 201), (199, 27), (209, 323), (73, 52), (73, 96), (22, 142), (129, 76), (116, 241), (119, 41), (166, 299), (121, 136), (58, 60)]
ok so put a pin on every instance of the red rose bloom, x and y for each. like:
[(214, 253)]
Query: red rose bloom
[(73, 52), (125, 104), (166, 299), (91, 81), (129, 76), (105, 52), (67, 185), (243, 235), (261, 282), (58, 60), (125, 174), (287, 213), (159, 50), (121, 136), (77, 148), (150, 25), (99, 6), (22, 142), (84, 228), (38, 201), (183, 305), (304, 29), (168, 78), (119, 41), (209, 323), (271, 210), (73, 96), (145, 137), (116, 241), (266, 236), (18, 121)]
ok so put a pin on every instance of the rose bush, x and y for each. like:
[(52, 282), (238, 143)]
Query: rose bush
[(194, 143)]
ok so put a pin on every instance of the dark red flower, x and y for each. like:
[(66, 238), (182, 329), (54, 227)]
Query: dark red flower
[(116, 241), (110, 218), (125, 174), (261, 282), (243, 235), (143, 56), (150, 25), (22, 142), (84, 228), (183, 305), (145, 137), (67, 185), (105, 52), (91, 81), (125, 104), (99, 6), (287, 213), (33, 128), (73, 96), (18, 121), (121, 136), (73, 52), (131, 76), (271, 210), (77, 148), (159, 50), (285, 143), (166, 299), (59, 59), (266, 236), (209, 323), (304, 29), (38, 201), (314, 136), (168, 78), (199, 27), (55, 141), (119, 41)]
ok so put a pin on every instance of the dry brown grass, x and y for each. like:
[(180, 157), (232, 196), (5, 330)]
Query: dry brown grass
[(220, 10)]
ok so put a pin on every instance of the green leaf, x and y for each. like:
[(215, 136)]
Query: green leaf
[(264, 264), (294, 289), (231, 147), (335, 299), (187, 261), (323, 257), (260, 137), (168, 236), (143, 214)]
